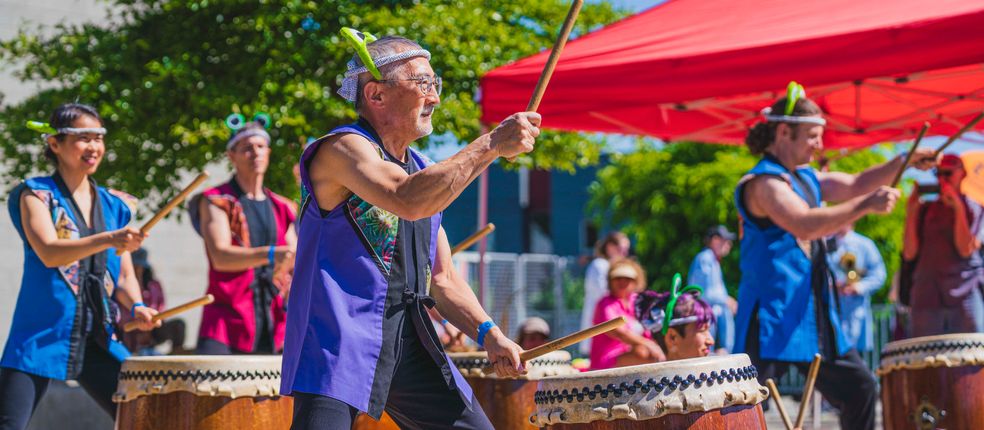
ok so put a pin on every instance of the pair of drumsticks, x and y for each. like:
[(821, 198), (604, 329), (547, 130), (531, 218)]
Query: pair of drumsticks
[(811, 380), (922, 132)]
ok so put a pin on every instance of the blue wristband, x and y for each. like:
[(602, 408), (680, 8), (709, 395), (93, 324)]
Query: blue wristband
[(270, 254), (483, 329), (133, 309)]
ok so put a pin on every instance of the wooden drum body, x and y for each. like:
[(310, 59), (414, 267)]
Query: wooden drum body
[(202, 393), (934, 382), (702, 393), (509, 402)]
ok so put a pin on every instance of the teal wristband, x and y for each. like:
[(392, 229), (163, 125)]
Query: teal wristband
[(133, 309), (483, 330), (271, 253)]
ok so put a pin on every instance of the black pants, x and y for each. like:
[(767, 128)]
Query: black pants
[(173, 330), (21, 392), (418, 399), (844, 381)]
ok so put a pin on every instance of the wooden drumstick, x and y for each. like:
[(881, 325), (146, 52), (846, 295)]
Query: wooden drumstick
[(963, 130), (475, 237), (811, 380), (908, 157), (566, 341), (565, 32), (171, 205), (201, 301), (548, 69), (779, 406)]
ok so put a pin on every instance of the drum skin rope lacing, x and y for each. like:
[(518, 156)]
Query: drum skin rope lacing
[(934, 346), (198, 375), (731, 375), (468, 363)]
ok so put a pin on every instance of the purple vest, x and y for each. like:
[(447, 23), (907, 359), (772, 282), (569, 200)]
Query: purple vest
[(344, 308)]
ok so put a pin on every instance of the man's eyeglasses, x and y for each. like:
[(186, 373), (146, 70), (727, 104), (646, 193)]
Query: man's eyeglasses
[(425, 83), (944, 173)]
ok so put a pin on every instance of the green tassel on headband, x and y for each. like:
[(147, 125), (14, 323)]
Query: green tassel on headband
[(794, 92), (359, 40), (675, 293), (41, 127)]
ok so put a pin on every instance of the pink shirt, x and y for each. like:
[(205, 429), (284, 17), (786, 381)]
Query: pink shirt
[(605, 349)]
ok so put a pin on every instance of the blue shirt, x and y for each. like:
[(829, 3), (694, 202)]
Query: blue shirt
[(705, 271), (855, 309)]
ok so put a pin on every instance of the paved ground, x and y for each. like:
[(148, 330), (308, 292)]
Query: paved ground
[(826, 421)]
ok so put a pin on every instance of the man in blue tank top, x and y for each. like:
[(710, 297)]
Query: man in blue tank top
[(372, 256), (787, 306)]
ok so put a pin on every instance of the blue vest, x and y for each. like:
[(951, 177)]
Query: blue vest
[(776, 276), (45, 334)]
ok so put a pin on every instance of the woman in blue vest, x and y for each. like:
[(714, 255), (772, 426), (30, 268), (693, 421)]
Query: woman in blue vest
[(786, 310), (74, 285)]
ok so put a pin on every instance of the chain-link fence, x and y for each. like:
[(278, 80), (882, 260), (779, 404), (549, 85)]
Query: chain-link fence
[(518, 286)]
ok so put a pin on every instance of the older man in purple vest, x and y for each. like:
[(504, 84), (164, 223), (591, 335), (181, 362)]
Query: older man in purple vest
[(372, 256)]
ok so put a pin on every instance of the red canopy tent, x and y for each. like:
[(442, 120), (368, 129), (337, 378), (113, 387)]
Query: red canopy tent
[(703, 69)]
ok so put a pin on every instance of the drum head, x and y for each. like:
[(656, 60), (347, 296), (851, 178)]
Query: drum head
[(648, 391), (950, 350), (551, 364), (223, 375)]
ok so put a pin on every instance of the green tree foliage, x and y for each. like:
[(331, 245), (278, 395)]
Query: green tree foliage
[(666, 199), (165, 74)]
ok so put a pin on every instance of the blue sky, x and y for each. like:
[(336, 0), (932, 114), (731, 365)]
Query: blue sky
[(635, 5)]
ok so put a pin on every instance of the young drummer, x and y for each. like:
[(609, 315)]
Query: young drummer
[(680, 321), (74, 285)]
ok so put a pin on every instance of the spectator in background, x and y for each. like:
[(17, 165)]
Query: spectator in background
[(533, 332), (943, 237), (858, 272), (615, 245), (173, 329), (705, 272), (630, 344), (687, 332)]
